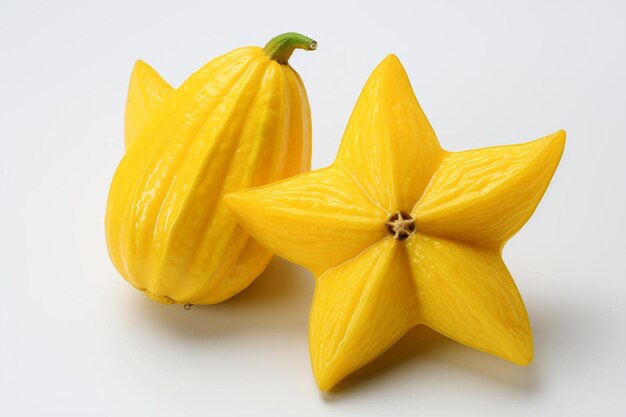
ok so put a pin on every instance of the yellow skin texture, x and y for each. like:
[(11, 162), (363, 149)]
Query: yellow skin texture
[(241, 121), (146, 91), (449, 275)]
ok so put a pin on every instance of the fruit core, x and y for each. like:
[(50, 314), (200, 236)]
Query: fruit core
[(400, 225)]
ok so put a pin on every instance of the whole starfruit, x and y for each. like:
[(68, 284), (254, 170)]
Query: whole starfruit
[(240, 121)]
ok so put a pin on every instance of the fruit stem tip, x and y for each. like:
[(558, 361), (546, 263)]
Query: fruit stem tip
[(282, 46)]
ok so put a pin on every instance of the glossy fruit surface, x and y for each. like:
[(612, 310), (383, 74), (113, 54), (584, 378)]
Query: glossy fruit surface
[(240, 121), (399, 232)]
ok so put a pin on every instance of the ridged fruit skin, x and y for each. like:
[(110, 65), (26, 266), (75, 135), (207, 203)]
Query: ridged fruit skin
[(146, 92), (240, 121), (448, 274)]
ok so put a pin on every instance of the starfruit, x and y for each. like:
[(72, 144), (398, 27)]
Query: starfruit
[(400, 232), (240, 121)]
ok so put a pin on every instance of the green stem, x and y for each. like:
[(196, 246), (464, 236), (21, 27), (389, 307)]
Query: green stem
[(282, 46)]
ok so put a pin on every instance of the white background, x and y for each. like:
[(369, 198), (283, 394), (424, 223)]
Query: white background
[(76, 339)]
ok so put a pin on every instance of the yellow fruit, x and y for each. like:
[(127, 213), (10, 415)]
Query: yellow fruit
[(400, 232), (242, 120)]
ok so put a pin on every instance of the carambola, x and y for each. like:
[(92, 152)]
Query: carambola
[(240, 121), (399, 232)]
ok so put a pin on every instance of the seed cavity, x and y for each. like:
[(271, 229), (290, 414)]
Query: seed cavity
[(400, 225)]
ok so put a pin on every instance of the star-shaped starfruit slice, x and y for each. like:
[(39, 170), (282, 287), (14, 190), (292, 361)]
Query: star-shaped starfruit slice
[(399, 232)]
